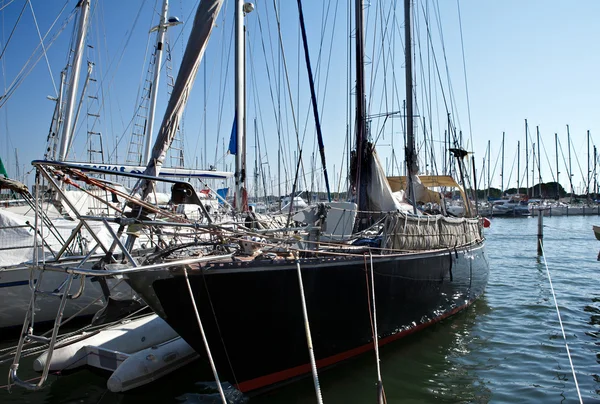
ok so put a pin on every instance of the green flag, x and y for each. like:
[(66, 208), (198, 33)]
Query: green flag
[(2, 169)]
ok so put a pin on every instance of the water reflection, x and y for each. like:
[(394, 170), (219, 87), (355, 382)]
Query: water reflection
[(594, 310), (430, 366)]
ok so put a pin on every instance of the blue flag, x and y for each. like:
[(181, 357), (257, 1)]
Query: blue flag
[(222, 192), (233, 139)]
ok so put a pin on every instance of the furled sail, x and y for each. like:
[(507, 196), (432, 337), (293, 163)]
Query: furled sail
[(204, 21)]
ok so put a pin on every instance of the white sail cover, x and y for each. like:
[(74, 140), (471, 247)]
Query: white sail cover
[(381, 197), (204, 21)]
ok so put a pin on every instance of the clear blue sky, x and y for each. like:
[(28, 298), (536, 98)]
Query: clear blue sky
[(524, 59)]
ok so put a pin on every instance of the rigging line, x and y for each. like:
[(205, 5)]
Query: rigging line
[(450, 87), (280, 137), (387, 64), (258, 111), (451, 98), (548, 160), (42, 44), (298, 59), (224, 81), (512, 167), (14, 28), (495, 165), (436, 65), (126, 39), (292, 111), (324, 19), (427, 135), (562, 329), (8, 138), (106, 98), (381, 57), (222, 85), (373, 72), (268, 70), (6, 5), (566, 167), (462, 45), (577, 160), (26, 69)]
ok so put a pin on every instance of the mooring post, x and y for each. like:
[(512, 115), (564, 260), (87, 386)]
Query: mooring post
[(540, 235)]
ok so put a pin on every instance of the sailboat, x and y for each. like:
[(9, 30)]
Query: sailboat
[(425, 268), (251, 298)]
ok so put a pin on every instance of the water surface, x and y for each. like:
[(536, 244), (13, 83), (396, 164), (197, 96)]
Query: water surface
[(506, 348)]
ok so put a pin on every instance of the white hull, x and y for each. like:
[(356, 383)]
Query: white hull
[(16, 295), (568, 211)]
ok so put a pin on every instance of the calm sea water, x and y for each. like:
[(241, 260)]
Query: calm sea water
[(506, 348)]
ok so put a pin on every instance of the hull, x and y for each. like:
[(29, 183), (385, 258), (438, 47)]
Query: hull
[(252, 313), (16, 295)]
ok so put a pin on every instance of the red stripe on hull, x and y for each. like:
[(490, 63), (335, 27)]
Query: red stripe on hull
[(283, 375)]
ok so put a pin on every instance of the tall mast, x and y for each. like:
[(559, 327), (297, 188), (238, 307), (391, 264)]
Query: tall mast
[(488, 167), (527, 157), (361, 129), (539, 160), (502, 168), (595, 174), (557, 169), (65, 139), (206, 165), (518, 166), (588, 165), (240, 105), (256, 182), (411, 161), (313, 97), (160, 38), (569, 173)]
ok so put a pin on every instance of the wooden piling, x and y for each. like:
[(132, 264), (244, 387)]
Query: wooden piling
[(540, 235)]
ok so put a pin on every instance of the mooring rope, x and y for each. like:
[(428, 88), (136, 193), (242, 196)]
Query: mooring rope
[(311, 353), (380, 393), (560, 322), (210, 358)]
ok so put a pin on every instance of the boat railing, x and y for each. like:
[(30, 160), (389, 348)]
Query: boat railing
[(104, 248), (124, 271)]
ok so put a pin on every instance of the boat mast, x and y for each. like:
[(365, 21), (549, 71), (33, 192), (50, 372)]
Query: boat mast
[(539, 162), (313, 97), (518, 166), (361, 130), (160, 38), (588, 165), (502, 169), (595, 174), (411, 161), (569, 149), (65, 139), (489, 163), (240, 106), (256, 192), (526, 157), (557, 169)]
